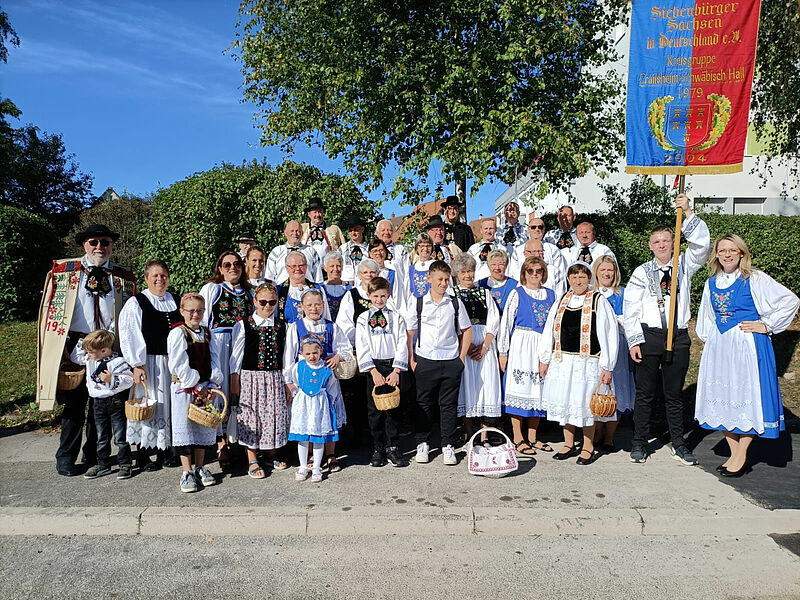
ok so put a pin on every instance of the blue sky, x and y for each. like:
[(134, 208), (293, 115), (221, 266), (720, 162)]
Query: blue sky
[(143, 92)]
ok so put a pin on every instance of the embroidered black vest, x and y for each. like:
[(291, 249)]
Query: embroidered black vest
[(199, 353), (474, 300), (156, 325), (230, 308), (571, 330), (360, 304), (263, 346)]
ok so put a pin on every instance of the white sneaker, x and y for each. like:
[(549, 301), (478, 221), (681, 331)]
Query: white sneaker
[(301, 474), (422, 453), (449, 455), (204, 476)]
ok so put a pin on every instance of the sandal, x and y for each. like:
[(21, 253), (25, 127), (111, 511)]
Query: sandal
[(543, 446), (332, 463), (524, 449), (254, 468), (279, 465), (570, 452)]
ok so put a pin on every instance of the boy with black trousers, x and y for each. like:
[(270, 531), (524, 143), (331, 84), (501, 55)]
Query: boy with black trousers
[(439, 336), (382, 352)]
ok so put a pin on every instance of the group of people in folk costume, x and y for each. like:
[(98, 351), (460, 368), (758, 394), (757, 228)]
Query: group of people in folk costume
[(524, 322)]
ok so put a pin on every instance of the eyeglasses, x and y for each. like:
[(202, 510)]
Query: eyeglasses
[(728, 252), (194, 311), (534, 271), (232, 265), (535, 226), (267, 302), (103, 243), (300, 266)]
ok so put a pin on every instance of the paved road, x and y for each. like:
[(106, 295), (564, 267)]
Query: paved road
[(614, 529)]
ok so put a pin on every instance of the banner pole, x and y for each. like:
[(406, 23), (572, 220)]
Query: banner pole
[(673, 287)]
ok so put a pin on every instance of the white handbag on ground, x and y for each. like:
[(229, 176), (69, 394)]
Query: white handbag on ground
[(495, 461)]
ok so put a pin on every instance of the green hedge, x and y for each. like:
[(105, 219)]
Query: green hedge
[(196, 219), (28, 245), (774, 241)]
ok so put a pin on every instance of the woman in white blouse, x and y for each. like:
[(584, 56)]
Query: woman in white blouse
[(579, 349), (737, 386), (144, 324)]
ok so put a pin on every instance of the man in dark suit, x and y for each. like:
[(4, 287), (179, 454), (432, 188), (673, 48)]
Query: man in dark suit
[(456, 231)]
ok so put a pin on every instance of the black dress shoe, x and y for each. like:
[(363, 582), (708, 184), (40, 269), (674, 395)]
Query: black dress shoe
[(720, 468), (725, 473), (587, 461), (378, 459), (66, 472), (573, 451)]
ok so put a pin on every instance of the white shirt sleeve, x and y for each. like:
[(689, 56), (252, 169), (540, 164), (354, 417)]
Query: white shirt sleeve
[(237, 347), (545, 346), (401, 353), (363, 350), (493, 316), (696, 232), (78, 354), (341, 343), (122, 375), (607, 334), (345, 317), (705, 316), (507, 323), (209, 293), (632, 306), (776, 304), (131, 339), (463, 317), (215, 349), (291, 349), (178, 360)]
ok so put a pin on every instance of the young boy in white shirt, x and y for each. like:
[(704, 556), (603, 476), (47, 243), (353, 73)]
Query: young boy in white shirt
[(382, 351), (439, 336)]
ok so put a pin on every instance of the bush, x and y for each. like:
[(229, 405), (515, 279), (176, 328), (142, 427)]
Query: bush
[(28, 245), (195, 220), (125, 215)]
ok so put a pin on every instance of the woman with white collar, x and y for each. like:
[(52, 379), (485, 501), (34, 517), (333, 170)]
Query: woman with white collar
[(144, 324), (737, 386), (378, 252), (356, 301)]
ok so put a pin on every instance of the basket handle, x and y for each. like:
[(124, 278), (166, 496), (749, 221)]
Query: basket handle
[(599, 385), (224, 399), (483, 430), (146, 392)]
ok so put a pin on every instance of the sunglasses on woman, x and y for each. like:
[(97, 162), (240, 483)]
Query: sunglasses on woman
[(103, 243), (232, 265), (267, 302)]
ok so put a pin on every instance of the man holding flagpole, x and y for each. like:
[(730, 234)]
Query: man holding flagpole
[(646, 309)]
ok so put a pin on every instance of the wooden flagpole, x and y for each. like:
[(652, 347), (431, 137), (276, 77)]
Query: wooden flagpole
[(673, 288)]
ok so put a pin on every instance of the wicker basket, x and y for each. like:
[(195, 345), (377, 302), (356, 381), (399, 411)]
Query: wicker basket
[(387, 398), (603, 405), (205, 418), (70, 375), (346, 369), (139, 413)]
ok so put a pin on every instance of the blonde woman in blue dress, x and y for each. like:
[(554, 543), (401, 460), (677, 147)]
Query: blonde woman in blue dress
[(737, 386)]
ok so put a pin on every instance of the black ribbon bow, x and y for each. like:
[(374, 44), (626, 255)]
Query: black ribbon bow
[(565, 241), (356, 253), (101, 367), (510, 236), (485, 252), (317, 234), (585, 255), (97, 282), (377, 320), (438, 254)]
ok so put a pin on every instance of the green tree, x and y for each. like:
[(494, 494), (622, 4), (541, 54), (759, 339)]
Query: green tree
[(196, 219), (776, 85), (7, 35), (484, 88)]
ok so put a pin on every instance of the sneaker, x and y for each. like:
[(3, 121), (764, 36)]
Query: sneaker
[(301, 474), (316, 475), (204, 476), (422, 453), (638, 454), (449, 455), (188, 482), (378, 458), (683, 455), (124, 472), (96, 471), (394, 457)]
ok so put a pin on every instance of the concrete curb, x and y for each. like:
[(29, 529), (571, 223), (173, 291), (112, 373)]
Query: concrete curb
[(371, 521)]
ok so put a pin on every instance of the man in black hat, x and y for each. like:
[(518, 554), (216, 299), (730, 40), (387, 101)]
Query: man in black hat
[(81, 295), (246, 241), (321, 237), (355, 250), (455, 231), (442, 250)]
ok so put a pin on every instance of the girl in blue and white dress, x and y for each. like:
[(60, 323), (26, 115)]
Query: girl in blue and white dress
[(335, 289), (479, 397), (497, 282), (421, 260), (520, 345), (316, 394), (607, 277), (737, 386)]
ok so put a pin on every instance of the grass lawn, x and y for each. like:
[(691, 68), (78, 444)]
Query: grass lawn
[(18, 374)]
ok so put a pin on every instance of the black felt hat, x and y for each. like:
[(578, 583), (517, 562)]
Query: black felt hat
[(451, 201), (247, 237), (435, 221), (354, 221), (95, 231), (315, 203)]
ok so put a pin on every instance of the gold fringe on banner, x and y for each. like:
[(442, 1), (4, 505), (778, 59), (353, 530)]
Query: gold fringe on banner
[(685, 170)]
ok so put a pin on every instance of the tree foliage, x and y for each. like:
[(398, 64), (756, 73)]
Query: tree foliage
[(196, 219), (7, 35), (485, 88), (28, 245), (776, 85)]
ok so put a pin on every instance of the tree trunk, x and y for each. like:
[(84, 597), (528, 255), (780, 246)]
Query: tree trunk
[(461, 192)]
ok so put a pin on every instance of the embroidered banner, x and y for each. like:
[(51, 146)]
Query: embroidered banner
[(689, 81)]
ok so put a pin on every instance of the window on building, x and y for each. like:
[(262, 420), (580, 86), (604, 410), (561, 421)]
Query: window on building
[(748, 206)]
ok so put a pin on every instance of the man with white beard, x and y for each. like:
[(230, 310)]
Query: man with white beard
[(81, 295)]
